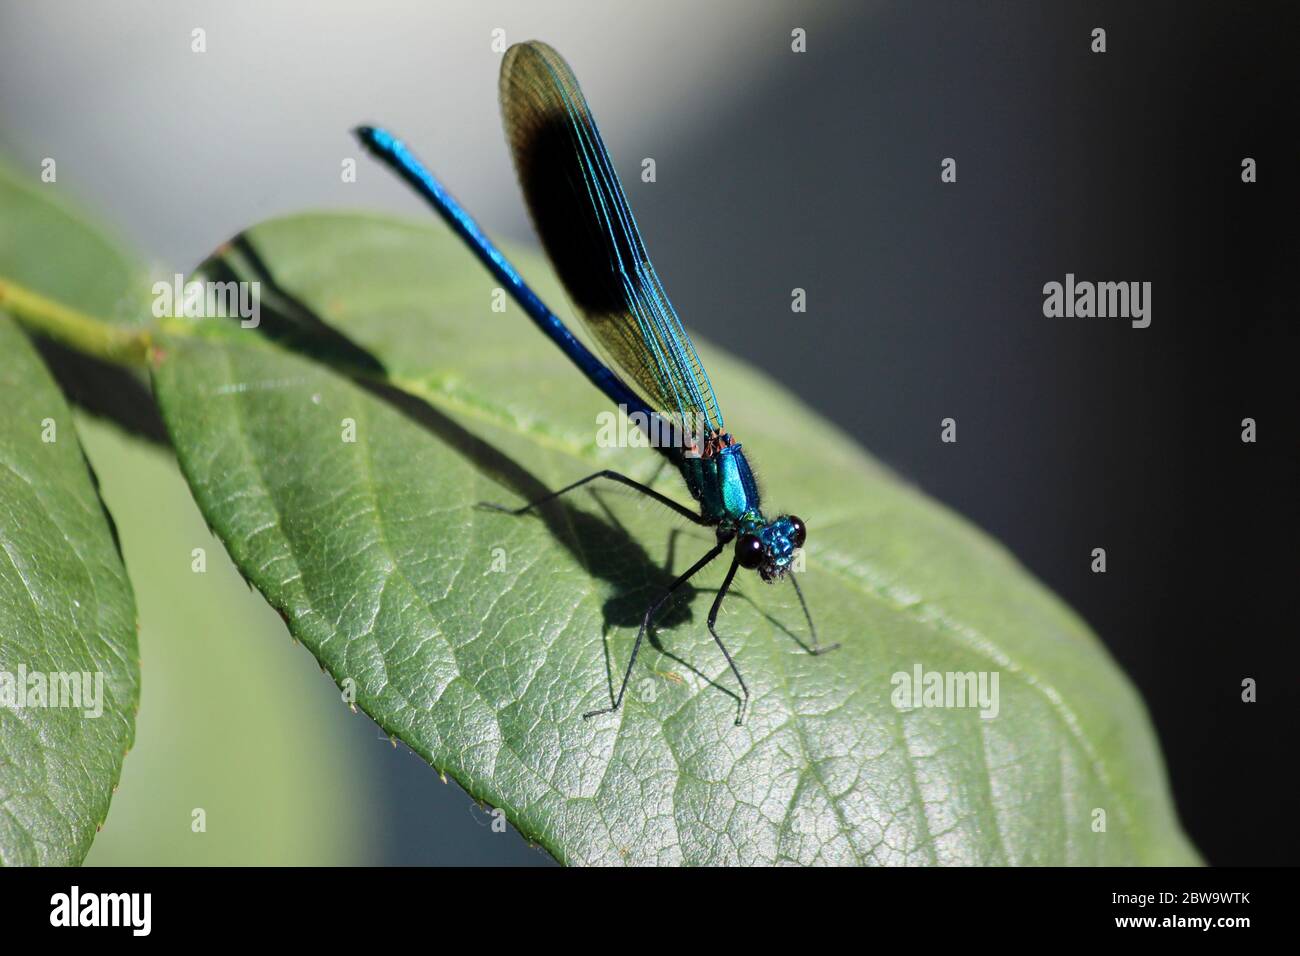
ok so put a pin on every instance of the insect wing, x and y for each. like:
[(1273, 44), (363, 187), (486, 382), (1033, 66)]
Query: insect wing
[(586, 226)]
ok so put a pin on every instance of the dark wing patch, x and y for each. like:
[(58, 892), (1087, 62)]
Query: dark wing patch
[(586, 226)]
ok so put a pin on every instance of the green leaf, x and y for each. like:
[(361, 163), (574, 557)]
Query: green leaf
[(232, 723), (479, 639), (222, 674), (48, 246), (65, 602), (69, 674)]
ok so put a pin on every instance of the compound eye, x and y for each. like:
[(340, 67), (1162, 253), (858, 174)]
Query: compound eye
[(800, 533), (749, 551)]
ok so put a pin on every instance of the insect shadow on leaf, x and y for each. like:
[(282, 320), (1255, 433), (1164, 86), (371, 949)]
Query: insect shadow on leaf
[(601, 545)]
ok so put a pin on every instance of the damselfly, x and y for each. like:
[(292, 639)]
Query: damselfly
[(582, 216)]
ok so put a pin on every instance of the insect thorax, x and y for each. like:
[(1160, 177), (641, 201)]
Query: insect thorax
[(720, 479)]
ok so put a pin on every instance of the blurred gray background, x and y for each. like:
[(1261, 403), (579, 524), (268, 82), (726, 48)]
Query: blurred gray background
[(821, 170)]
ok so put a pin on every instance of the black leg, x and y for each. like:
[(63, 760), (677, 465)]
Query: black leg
[(649, 616), (713, 619), (816, 648), (612, 476)]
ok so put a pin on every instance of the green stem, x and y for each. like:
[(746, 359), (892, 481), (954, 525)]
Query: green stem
[(85, 333)]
